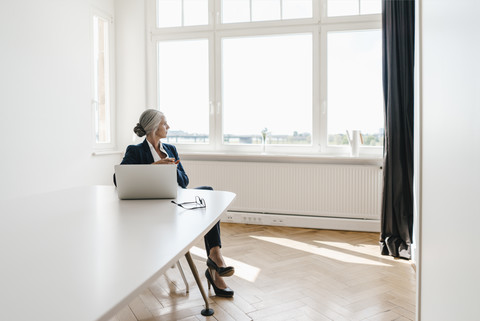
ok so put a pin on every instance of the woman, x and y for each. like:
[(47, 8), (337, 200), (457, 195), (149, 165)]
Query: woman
[(153, 124)]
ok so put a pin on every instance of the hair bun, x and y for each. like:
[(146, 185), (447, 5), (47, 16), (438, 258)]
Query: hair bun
[(139, 130)]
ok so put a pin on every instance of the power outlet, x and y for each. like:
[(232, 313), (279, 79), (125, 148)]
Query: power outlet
[(278, 221), (251, 219)]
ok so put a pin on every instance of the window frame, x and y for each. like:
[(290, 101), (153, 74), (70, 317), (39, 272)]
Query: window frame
[(152, 21), (109, 18), (318, 26), (270, 148)]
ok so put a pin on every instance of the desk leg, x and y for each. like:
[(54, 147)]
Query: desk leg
[(207, 311)]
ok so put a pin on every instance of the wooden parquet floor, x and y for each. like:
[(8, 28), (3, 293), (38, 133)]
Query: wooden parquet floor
[(287, 273)]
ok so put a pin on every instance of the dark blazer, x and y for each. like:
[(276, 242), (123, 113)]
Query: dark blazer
[(141, 154)]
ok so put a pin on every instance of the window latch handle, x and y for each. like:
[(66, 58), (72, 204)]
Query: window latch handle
[(212, 108)]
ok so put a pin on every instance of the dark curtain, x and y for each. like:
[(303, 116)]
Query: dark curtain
[(398, 31)]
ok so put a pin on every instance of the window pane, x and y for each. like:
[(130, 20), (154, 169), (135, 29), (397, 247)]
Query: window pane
[(354, 80), (184, 89), (235, 11), (101, 80), (265, 10), (370, 6), (267, 83), (195, 12), (295, 9), (169, 13), (343, 7)]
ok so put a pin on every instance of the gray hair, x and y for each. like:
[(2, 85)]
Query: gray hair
[(148, 122)]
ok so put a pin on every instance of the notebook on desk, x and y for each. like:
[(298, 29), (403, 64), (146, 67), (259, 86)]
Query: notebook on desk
[(146, 181)]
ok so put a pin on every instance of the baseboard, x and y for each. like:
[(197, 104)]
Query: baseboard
[(328, 223)]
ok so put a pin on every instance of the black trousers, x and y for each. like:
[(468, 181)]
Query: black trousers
[(212, 238)]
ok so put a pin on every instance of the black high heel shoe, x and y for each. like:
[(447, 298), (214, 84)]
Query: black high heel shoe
[(224, 293), (222, 271)]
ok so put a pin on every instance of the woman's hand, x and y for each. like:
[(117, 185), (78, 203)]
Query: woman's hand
[(166, 160)]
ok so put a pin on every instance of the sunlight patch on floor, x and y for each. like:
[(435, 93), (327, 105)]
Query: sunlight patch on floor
[(331, 254), (360, 248), (242, 270)]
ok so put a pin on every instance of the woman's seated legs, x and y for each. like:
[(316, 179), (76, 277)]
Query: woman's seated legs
[(213, 245), (212, 238)]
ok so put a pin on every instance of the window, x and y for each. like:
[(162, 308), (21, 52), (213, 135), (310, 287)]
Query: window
[(353, 7), (102, 85), (184, 87), (353, 67), (178, 13), (264, 10), (267, 80), (299, 73)]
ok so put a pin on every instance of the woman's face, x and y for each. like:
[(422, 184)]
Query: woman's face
[(162, 129)]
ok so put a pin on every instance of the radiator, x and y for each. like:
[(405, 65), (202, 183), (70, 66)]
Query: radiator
[(316, 190)]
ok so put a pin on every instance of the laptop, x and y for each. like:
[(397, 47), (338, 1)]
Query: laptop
[(146, 181)]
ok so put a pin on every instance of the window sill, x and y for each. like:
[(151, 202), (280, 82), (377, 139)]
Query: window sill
[(284, 158), (106, 152)]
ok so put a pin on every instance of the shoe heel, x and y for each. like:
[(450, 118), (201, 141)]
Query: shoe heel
[(212, 273), (226, 293)]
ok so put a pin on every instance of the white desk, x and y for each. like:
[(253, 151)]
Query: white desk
[(83, 254)]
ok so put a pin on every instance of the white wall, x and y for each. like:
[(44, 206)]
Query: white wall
[(131, 67), (45, 91), (450, 160)]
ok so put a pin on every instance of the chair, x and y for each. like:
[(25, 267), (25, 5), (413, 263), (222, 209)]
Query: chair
[(180, 269)]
